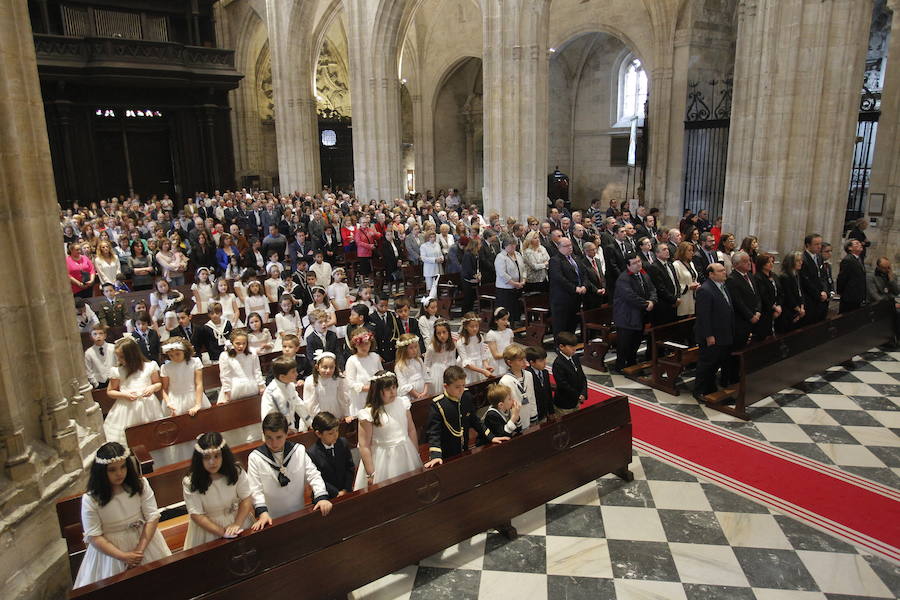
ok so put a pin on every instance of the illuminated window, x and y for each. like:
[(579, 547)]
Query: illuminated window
[(131, 113), (632, 90), (329, 137)]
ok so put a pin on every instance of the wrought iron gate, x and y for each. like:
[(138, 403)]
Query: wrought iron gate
[(706, 129), (863, 153)]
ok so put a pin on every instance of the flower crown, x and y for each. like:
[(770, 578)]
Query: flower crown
[(467, 319), (106, 461), (362, 337), (413, 340), (384, 375), (208, 451)]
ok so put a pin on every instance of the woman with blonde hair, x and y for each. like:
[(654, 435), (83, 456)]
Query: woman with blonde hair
[(687, 278), (107, 263), (536, 261)]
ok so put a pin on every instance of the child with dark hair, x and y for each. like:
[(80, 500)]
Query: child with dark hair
[(498, 338), (326, 389), (182, 379), (85, 318), (537, 366), (239, 370), (452, 415), (146, 337), (361, 367), (119, 517), (441, 354), (331, 455), (279, 471), (216, 492), (112, 310), (388, 444), (571, 383)]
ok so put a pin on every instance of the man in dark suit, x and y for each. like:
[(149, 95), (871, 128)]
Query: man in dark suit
[(705, 255), (594, 266), (567, 288), (300, 250), (674, 239), (825, 269), (331, 455), (633, 301), (851, 280), (664, 279), (487, 254), (713, 329), (619, 248), (746, 301), (815, 298)]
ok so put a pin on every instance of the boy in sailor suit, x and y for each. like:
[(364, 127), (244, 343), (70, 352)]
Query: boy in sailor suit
[(279, 471)]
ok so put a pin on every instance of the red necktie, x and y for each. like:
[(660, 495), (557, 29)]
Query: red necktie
[(406, 325)]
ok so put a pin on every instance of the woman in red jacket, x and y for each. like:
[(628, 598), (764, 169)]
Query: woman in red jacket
[(366, 240)]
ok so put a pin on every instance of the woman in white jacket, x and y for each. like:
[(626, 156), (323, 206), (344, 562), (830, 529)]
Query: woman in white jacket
[(536, 262), (432, 257)]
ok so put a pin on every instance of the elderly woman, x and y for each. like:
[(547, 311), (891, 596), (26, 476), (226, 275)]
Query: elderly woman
[(432, 258), (82, 273), (687, 278), (445, 239), (412, 242), (536, 261)]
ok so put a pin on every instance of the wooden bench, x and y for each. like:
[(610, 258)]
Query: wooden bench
[(671, 350), (778, 363), (374, 532), (598, 335)]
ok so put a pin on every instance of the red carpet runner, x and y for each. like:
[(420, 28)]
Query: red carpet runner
[(850, 507)]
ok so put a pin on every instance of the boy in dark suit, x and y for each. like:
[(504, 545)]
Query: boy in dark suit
[(146, 338), (112, 311), (320, 338), (503, 417), (290, 348), (571, 383), (359, 314), (387, 328), (407, 324), (537, 364), (331, 455)]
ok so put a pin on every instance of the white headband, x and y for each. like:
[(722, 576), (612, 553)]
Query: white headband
[(207, 451), (106, 461), (320, 354), (382, 376), (172, 346)]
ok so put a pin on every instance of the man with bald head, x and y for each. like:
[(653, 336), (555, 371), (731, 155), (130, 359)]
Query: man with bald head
[(747, 302), (568, 286), (713, 329)]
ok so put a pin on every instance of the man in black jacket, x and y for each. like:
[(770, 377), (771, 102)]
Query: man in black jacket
[(851, 280), (662, 274), (743, 292), (713, 329), (815, 298), (595, 276), (567, 288), (705, 255)]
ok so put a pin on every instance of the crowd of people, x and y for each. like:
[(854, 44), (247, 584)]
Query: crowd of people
[(242, 252)]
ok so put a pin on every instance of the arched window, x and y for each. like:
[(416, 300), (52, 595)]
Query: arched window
[(632, 90)]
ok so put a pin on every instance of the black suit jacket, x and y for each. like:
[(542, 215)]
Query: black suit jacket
[(851, 281), (618, 258), (715, 316), (633, 293), (314, 342), (701, 261), (594, 281), (811, 283), (667, 292), (205, 339), (150, 347), (387, 331), (442, 443), (486, 256), (563, 281), (543, 391), (570, 382), (745, 301), (182, 332), (413, 329), (337, 470)]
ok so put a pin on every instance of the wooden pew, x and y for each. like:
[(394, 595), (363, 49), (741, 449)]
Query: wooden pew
[(418, 514), (156, 435), (598, 334), (777, 363), (166, 480), (671, 351)]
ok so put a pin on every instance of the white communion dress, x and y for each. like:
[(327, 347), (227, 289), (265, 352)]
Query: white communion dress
[(127, 413), (219, 503), (393, 453)]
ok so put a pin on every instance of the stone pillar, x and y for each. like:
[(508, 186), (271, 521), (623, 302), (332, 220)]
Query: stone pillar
[(516, 81), (666, 144), (296, 122), (375, 85), (885, 178), (798, 72), (40, 447), (423, 144)]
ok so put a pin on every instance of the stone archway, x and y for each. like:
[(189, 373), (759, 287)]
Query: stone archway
[(458, 125)]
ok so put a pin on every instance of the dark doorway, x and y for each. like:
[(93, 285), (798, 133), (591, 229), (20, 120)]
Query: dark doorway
[(336, 152)]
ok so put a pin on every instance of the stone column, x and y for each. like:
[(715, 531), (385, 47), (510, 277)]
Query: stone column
[(516, 81), (423, 144), (885, 178), (42, 366), (798, 72), (296, 122), (375, 87)]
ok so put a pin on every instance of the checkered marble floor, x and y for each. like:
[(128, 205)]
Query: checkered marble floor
[(665, 535), (848, 417)]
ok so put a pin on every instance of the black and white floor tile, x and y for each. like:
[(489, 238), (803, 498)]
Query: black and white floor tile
[(665, 535), (847, 417)]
